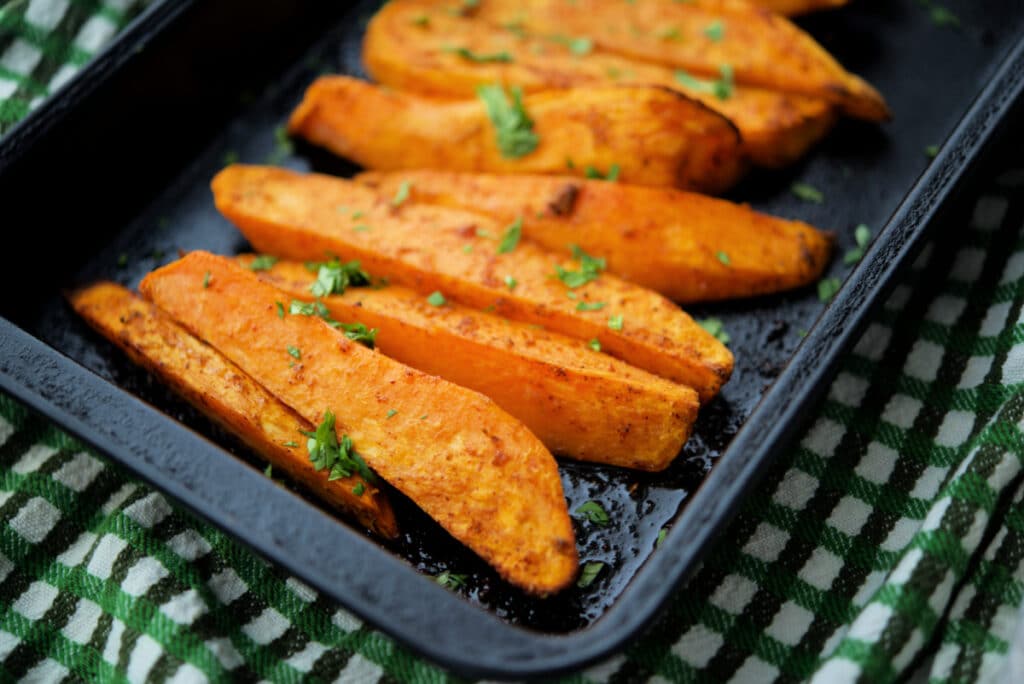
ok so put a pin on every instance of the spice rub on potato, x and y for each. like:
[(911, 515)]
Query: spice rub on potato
[(228, 396), (425, 436), (656, 136), (466, 257)]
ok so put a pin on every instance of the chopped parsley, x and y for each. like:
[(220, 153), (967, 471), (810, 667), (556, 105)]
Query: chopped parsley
[(402, 194), (577, 46), (593, 512), (391, 413), (716, 328), (466, 249), (269, 471), (511, 282), (479, 57), (280, 309), (590, 269), (510, 238), (421, 20), (290, 444), (808, 193), (283, 146), (932, 151), (590, 306), (294, 352), (230, 157), (827, 288), (436, 299), (721, 88), (671, 33), (862, 234), (122, 260), (662, 533), (334, 277), (358, 214), (595, 344), (594, 174), (615, 322), (589, 574), (206, 280), (450, 580), (337, 457), (357, 332), (715, 31), (359, 489), (724, 258), (361, 228), (263, 262), (513, 127)]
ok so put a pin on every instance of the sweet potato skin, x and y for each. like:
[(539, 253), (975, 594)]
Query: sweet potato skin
[(668, 240), (442, 438), (581, 403), (656, 136), (428, 248), (399, 52), (229, 397), (764, 49), (793, 8)]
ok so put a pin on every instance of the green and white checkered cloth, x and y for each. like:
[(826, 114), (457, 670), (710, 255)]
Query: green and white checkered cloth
[(888, 542)]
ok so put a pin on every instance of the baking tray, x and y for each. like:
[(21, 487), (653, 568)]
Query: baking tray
[(109, 179)]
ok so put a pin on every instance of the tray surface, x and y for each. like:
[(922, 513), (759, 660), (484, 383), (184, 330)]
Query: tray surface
[(929, 74)]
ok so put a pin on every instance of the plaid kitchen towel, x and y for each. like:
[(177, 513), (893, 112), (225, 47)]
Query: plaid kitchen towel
[(888, 542)]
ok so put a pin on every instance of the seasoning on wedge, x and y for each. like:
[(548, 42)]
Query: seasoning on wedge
[(224, 393), (476, 470), (580, 403), (424, 247), (654, 135), (777, 128), (759, 48), (686, 246)]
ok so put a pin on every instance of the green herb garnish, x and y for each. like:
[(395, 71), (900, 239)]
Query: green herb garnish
[(421, 20), (589, 574), (590, 306), (827, 288), (450, 580), (808, 193), (662, 533), (479, 57), (577, 46), (612, 175), (615, 322), (715, 31), (294, 352), (513, 127), (510, 238), (402, 194), (280, 309), (724, 258), (511, 282), (590, 269), (359, 489), (436, 299), (716, 328), (334, 277), (357, 332), (391, 413), (593, 512), (721, 88), (931, 151), (206, 280), (338, 457), (263, 262), (595, 344), (862, 234)]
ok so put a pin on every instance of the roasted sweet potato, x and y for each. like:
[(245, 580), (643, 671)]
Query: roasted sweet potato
[(221, 391), (760, 48), (796, 7), (468, 257), (653, 135), (404, 52), (581, 403), (472, 467), (686, 246)]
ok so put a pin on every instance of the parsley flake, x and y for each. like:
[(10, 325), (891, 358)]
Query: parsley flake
[(578, 46), (716, 328), (479, 57), (590, 269), (334, 277), (206, 280), (436, 299), (402, 194), (595, 344), (290, 444), (337, 457), (357, 332), (590, 306), (724, 258), (391, 413), (450, 580), (862, 234), (932, 151), (593, 512), (662, 533), (808, 193), (615, 322), (511, 282), (294, 352), (589, 574), (827, 288), (421, 20), (722, 88), (280, 309), (262, 262), (510, 238), (359, 489), (513, 127), (594, 174), (715, 31)]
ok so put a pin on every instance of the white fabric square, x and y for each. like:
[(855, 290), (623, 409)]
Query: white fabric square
[(304, 660), (79, 472), (64, 74), (995, 319), (945, 310), (955, 428), (927, 485), (189, 544), (975, 371), (877, 463), (188, 674), (922, 259), (821, 568), (305, 592), (74, 554), (871, 622), (48, 670), (837, 670), (767, 542), (103, 557), (21, 57), (346, 621), (149, 510), (33, 459), (112, 649), (5, 567), (143, 657), (359, 669), (6, 429), (823, 437), (848, 389), (1013, 368), (795, 490), (898, 299), (46, 14), (903, 571), (790, 623), (266, 626), (698, 645), (8, 642), (225, 652), (733, 594), (184, 608), (967, 266), (901, 411), (872, 583), (35, 600), (227, 586), (989, 212), (96, 31), (849, 515), (755, 670), (924, 360), (873, 342), (900, 535), (1014, 269), (35, 520), (118, 498), (143, 575), (604, 670), (82, 623)]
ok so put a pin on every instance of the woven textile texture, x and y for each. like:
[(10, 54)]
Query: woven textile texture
[(888, 541)]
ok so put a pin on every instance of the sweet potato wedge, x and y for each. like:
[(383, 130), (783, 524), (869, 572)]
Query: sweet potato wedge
[(654, 135), (793, 8), (469, 465), (229, 397), (760, 48), (581, 403), (430, 248), (686, 246), (450, 56)]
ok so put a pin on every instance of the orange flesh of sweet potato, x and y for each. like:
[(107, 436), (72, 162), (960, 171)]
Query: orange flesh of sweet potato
[(654, 135), (476, 470), (686, 246), (581, 403), (399, 52), (221, 391), (430, 248), (762, 48), (795, 7)]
